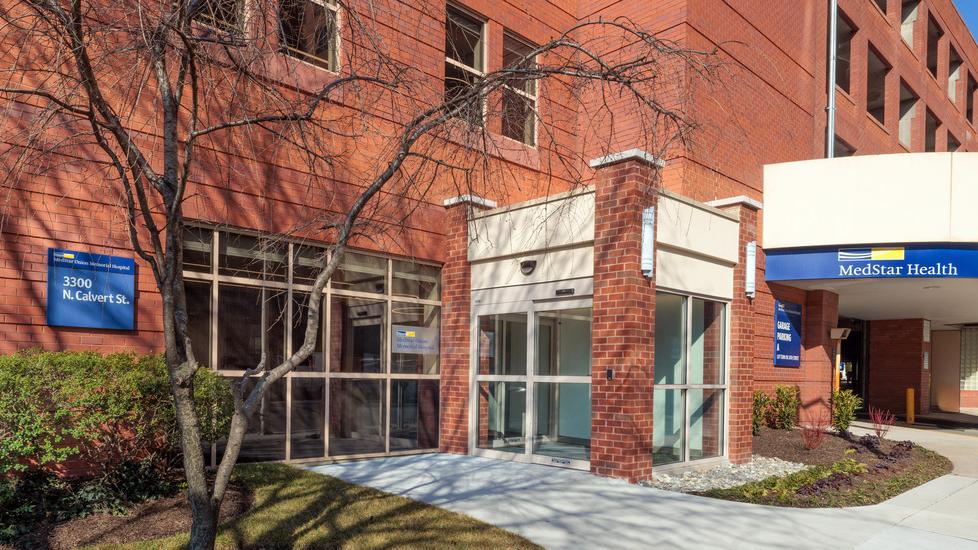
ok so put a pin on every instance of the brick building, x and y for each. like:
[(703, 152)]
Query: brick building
[(615, 327)]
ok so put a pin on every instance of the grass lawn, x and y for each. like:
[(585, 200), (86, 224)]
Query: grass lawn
[(299, 509)]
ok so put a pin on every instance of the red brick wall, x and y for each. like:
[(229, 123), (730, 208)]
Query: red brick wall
[(969, 398), (896, 351), (623, 330)]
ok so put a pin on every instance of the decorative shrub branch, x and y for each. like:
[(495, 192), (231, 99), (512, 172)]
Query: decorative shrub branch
[(813, 430), (882, 421)]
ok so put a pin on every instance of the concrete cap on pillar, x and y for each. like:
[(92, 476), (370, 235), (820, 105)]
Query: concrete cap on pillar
[(474, 200), (631, 154), (737, 201)]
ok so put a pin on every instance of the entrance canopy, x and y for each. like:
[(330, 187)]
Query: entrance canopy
[(895, 236)]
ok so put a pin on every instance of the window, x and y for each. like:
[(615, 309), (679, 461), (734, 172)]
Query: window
[(952, 143), (519, 93), (376, 351), (954, 69), (934, 34), (881, 4), (226, 15), (908, 19), (690, 379), (464, 64), (970, 98), (843, 149), (908, 110), (843, 52), (930, 132), (876, 72), (308, 30)]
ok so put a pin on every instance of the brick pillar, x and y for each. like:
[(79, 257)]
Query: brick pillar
[(742, 335), (456, 280), (624, 315), (818, 355), (896, 349)]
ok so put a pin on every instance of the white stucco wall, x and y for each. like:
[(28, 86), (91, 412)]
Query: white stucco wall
[(873, 199)]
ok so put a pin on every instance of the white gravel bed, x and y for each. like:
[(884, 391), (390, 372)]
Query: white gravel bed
[(724, 476)]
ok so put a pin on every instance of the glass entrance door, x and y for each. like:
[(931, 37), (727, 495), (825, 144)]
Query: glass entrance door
[(532, 383)]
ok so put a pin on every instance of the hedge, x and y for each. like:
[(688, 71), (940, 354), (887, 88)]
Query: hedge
[(58, 406)]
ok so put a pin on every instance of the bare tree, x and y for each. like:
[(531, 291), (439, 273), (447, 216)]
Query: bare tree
[(157, 93)]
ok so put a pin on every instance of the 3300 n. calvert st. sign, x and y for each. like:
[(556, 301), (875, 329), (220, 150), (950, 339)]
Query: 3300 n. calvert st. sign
[(90, 290)]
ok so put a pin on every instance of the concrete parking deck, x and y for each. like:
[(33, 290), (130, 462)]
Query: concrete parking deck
[(560, 508)]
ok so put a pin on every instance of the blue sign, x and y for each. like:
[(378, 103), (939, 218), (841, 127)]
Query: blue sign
[(879, 262), (90, 290), (416, 340), (787, 334)]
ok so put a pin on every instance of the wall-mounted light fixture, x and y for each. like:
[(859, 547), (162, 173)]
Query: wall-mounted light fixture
[(527, 266)]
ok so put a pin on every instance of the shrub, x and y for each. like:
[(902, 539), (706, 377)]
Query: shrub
[(783, 411), (844, 406), (101, 408), (813, 430), (882, 420), (760, 411)]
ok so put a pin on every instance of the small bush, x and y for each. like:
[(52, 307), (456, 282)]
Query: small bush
[(844, 407), (813, 430), (882, 421), (783, 411), (113, 412), (760, 411)]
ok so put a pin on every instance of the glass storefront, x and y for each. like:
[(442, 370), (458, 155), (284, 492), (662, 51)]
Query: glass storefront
[(690, 379), (371, 385), (550, 401)]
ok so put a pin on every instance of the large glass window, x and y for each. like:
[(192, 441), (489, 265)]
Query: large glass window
[(690, 379), (370, 384)]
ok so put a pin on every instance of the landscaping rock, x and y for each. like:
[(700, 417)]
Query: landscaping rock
[(724, 476)]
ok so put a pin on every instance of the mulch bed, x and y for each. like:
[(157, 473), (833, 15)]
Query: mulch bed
[(891, 468), (147, 520)]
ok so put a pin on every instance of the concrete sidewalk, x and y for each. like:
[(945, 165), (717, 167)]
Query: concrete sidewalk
[(560, 508)]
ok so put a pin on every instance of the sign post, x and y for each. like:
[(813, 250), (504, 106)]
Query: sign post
[(90, 290)]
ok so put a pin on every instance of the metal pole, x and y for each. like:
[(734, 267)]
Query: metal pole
[(833, 45)]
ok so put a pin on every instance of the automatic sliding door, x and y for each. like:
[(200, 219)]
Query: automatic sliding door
[(502, 384)]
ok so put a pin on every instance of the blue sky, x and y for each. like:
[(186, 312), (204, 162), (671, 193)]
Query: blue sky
[(969, 12)]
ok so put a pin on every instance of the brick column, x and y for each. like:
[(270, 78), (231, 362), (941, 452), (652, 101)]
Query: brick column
[(624, 319), (896, 349), (742, 334), (456, 280), (818, 353)]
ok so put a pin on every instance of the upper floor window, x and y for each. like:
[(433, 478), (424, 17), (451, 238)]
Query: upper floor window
[(954, 67), (226, 15), (908, 19), (934, 35), (464, 63), (843, 52), (908, 111), (309, 30), (519, 93), (877, 70)]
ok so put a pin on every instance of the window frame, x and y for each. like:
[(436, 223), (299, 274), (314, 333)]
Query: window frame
[(533, 99), (235, 30), (214, 279), (478, 72), (333, 8), (686, 387)]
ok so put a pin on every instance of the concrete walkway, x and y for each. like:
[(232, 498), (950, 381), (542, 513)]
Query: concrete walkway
[(560, 508)]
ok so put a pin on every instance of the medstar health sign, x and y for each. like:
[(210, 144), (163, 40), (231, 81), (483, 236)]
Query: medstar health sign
[(90, 290), (938, 261)]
